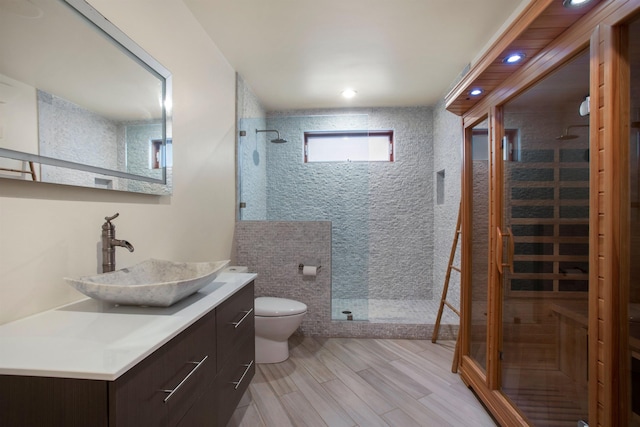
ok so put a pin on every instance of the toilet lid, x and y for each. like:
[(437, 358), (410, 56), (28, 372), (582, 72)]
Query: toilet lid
[(272, 307)]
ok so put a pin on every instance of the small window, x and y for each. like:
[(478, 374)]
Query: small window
[(348, 146), (155, 154)]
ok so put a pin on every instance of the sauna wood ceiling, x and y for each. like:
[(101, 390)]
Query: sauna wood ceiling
[(301, 54), (532, 39)]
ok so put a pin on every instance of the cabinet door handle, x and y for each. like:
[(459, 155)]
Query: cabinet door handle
[(172, 392), (247, 313), (237, 383)]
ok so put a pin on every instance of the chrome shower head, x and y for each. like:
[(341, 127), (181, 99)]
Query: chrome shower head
[(277, 140), (567, 136)]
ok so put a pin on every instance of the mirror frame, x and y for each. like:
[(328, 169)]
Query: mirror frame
[(128, 47)]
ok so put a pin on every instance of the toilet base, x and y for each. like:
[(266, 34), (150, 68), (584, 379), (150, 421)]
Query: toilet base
[(269, 351)]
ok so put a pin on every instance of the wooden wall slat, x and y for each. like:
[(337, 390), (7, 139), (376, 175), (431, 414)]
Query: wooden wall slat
[(529, 43), (554, 21), (597, 238)]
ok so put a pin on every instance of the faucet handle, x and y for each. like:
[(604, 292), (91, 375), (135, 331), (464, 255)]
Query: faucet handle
[(109, 218)]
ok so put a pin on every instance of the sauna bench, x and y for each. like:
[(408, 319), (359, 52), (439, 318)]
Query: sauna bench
[(573, 321), (109, 365)]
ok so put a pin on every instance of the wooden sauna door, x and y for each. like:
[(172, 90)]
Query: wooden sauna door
[(543, 249)]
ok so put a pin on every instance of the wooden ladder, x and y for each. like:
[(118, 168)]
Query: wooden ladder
[(445, 289), (31, 171)]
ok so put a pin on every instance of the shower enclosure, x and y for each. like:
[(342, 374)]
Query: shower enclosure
[(381, 211)]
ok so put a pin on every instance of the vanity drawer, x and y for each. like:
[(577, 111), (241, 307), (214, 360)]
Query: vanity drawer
[(234, 378), (162, 388), (235, 320)]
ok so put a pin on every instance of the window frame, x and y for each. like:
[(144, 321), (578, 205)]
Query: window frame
[(350, 133)]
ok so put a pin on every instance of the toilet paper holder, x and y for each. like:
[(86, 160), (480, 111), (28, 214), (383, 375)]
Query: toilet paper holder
[(301, 267)]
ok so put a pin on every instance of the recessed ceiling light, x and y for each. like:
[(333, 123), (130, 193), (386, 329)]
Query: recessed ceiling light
[(575, 3), (514, 58), (349, 93), (476, 92)]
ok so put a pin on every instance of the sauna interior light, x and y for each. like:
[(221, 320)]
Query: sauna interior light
[(476, 92), (514, 58), (574, 3), (349, 93)]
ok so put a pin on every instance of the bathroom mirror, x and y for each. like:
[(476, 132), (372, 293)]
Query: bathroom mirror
[(80, 103)]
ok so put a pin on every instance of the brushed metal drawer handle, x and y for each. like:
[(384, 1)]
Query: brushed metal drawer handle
[(236, 324), (172, 392), (237, 383)]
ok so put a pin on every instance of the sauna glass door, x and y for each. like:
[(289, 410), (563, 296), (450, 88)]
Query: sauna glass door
[(479, 239), (543, 248)]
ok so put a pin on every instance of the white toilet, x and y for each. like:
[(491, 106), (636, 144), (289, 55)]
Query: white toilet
[(276, 320)]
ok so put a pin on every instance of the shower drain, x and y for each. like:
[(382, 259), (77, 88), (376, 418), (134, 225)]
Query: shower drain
[(348, 313)]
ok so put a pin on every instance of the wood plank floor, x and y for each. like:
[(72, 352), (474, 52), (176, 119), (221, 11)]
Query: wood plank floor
[(360, 382)]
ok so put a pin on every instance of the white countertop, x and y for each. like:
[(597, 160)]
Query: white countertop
[(90, 339)]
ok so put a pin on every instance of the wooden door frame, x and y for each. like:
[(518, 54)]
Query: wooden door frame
[(609, 281), (486, 385)]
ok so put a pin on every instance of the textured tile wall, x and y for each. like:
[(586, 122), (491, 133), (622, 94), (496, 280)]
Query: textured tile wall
[(138, 137), (381, 212), (274, 249), (73, 133), (447, 142)]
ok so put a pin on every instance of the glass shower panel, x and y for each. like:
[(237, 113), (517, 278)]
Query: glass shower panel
[(327, 191), (252, 170), (479, 243), (545, 225)]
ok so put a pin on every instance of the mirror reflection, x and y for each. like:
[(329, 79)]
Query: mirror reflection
[(75, 107)]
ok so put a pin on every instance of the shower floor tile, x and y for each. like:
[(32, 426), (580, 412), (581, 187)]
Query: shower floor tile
[(392, 311)]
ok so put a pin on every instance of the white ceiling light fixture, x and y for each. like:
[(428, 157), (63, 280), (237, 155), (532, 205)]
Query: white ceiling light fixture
[(348, 93), (476, 92)]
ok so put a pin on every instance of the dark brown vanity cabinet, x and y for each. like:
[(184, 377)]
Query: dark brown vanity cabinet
[(196, 379), (236, 366)]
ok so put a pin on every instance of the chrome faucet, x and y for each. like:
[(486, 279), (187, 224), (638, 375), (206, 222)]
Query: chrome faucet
[(109, 243)]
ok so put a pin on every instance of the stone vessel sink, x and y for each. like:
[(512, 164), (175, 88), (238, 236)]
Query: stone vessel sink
[(152, 282)]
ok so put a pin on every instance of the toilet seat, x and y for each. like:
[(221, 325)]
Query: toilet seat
[(277, 307)]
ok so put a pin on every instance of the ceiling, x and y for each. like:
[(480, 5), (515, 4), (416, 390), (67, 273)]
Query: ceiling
[(86, 69), (300, 54)]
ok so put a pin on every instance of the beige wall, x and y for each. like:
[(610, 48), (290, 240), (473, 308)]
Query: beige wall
[(49, 231)]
